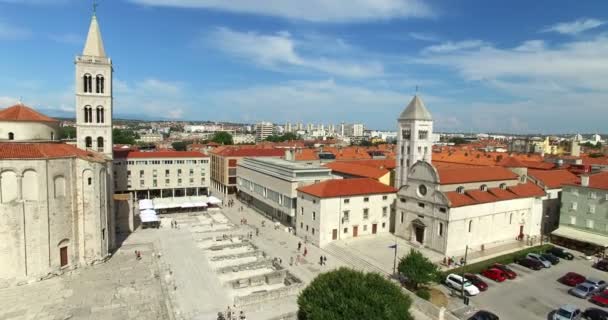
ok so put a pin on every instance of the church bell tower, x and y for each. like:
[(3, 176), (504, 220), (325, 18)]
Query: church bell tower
[(94, 95)]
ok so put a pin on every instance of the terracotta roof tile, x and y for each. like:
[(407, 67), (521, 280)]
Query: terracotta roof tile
[(346, 187), (473, 197), (528, 189), (502, 194), (597, 181), (158, 154), (248, 152), (351, 168), (10, 151), (459, 199), (20, 112), (453, 175), (511, 162), (553, 178), (481, 196), (539, 165)]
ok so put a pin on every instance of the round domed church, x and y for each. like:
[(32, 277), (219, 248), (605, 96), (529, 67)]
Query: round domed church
[(55, 198)]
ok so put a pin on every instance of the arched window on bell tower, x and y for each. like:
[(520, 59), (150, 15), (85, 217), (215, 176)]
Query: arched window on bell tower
[(100, 115), (88, 114), (99, 84), (87, 81)]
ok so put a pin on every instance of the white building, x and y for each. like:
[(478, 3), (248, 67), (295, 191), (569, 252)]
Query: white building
[(243, 139), (151, 137), (353, 130), (270, 184), (263, 130), (448, 209), (342, 209), (161, 174), (55, 198)]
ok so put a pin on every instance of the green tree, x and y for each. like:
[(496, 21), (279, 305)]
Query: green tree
[(457, 140), (418, 269), (222, 137), (67, 132), (346, 294), (179, 145), (289, 136), (124, 136)]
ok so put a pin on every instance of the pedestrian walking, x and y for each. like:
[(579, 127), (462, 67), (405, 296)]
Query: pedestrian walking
[(320, 260), (291, 261), (305, 251), (257, 232), (297, 260), (299, 246), (325, 260)]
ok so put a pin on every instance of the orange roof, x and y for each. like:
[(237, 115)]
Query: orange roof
[(511, 162), (554, 178), (158, 154), (248, 152), (597, 181), (20, 112), (346, 187), (44, 151), (540, 165), (472, 197), (351, 168), (378, 163), (453, 175), (307, 155)]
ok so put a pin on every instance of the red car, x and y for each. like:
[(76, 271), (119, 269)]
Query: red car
[(494, 274), (476, 281), (600, 299), (510, 274), (572, 279)]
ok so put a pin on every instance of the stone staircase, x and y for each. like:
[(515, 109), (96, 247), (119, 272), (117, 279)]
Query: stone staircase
[(352, 260)]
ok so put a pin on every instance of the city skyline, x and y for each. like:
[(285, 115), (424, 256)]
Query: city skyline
[(280, 64)]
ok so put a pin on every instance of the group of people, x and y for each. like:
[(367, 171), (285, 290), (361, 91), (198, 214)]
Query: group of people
[(451, 261), (137, 254), (231, 314), (230, 203), (243, 221), (174, 224)]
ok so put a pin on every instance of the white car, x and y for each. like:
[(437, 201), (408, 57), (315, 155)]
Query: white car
[(455, 281), (546, 263)]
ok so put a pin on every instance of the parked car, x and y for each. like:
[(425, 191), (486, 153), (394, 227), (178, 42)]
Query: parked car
[(600, 285), (601, 265), (561, 253), (530, 263), (595, 314), (455, 281), (476, 281), (494, 274), (583, 290), (572, 279), (546, 263), (567, 312), (484, 315), (551, 257), (601, 299), (510, 273)]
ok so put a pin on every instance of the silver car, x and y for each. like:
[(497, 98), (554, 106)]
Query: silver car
[(546, 263), (600, 285), (583, 290), (567, 312)]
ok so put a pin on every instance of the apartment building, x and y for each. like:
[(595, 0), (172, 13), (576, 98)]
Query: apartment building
[(584, 214), (342, 209), (263, 130), (270, 185), (224, 161), (161, 174)]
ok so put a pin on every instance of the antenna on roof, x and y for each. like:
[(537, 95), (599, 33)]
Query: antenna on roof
[(20, 100), (95, 5), (416, 89)]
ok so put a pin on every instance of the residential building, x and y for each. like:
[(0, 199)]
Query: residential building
[(161, 174), (343, 209), (243, 139), (270, 185), (224, 161), (263, 130), (583, 220), (55, 198), (351, 169), (353, 130), (151, 137)]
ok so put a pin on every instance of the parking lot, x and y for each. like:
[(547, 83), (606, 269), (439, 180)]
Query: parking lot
[(535, 294)]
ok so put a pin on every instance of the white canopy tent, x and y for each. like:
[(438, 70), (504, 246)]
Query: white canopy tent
[(214, 200), (146, 204), (181, 202), (148, 215)]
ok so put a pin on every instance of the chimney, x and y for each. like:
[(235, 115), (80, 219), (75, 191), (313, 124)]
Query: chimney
[(585, 180), (289, 155)]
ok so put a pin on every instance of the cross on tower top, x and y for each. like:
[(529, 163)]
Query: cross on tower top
[(95, 5)]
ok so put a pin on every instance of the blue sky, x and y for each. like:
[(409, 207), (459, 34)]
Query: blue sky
[(507, 66)]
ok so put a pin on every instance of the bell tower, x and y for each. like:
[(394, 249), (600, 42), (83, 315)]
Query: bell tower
[(414, 138), (94, 94)]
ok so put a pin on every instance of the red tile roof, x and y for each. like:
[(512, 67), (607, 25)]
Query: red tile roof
[(158, 154), (553, 178), (540, 165), (511, 162), (453, 175), (473, 197), (20, 112), (249, 152), (346, 187), (597, 181), (353, 169), (9, 151)]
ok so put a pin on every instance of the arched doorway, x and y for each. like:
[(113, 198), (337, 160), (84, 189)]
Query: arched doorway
[(63, 252), (418, 230)]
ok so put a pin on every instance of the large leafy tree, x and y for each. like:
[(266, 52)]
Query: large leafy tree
[(124, 136), (418, 269), (288, 136), (346, 294), (222, 137)]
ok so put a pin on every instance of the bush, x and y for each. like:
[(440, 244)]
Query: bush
[(424, 293), (478, 267)]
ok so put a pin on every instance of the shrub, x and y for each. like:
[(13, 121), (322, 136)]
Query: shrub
[(424, 293)]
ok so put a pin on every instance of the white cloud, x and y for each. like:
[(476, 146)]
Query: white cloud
[(11, 32), (69, 38), (310, 10), (156, 86), (450, 46), (280, 50), (574, 27), (429, 37)]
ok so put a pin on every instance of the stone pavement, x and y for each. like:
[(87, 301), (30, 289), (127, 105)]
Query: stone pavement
[(121, 288)]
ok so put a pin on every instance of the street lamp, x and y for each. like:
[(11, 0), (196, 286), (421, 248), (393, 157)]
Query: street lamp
[(465, 299)]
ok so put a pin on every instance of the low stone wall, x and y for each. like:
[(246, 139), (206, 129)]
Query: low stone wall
[(267, 296), (247, 266)]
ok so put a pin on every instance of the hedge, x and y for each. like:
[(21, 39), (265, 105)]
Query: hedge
[(424, 293), (478, 267)]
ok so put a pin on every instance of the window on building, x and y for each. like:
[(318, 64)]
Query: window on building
[(574, 206), (11, 136), (179, 172), (306, 227), (88, 142), (346, 200), (366, 199), (191, 172), (384, 211), (141, 173), (384, 197), (365, 213), (440, 229), (402, 200), (155, 183), (364, 227), (141, 183), (345, 215), (589, 223), (87, 80), (99, 114), (154, 173), (314, 215), (421, 205), (99, 84), (345, 230), (443, 210), (402, 216), (503, 186), (314, 200), (470, 225), (423, 134), (89, 181), (593, 195), (572, 220), (313, 231), (406, 133), (302, 212), (167, 181), (511, 218), (88, 114), (167, 172), (483, 187), (301, 225), (591, 208), (191, 180), (460, 189), (179, 181), (383, 225)]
